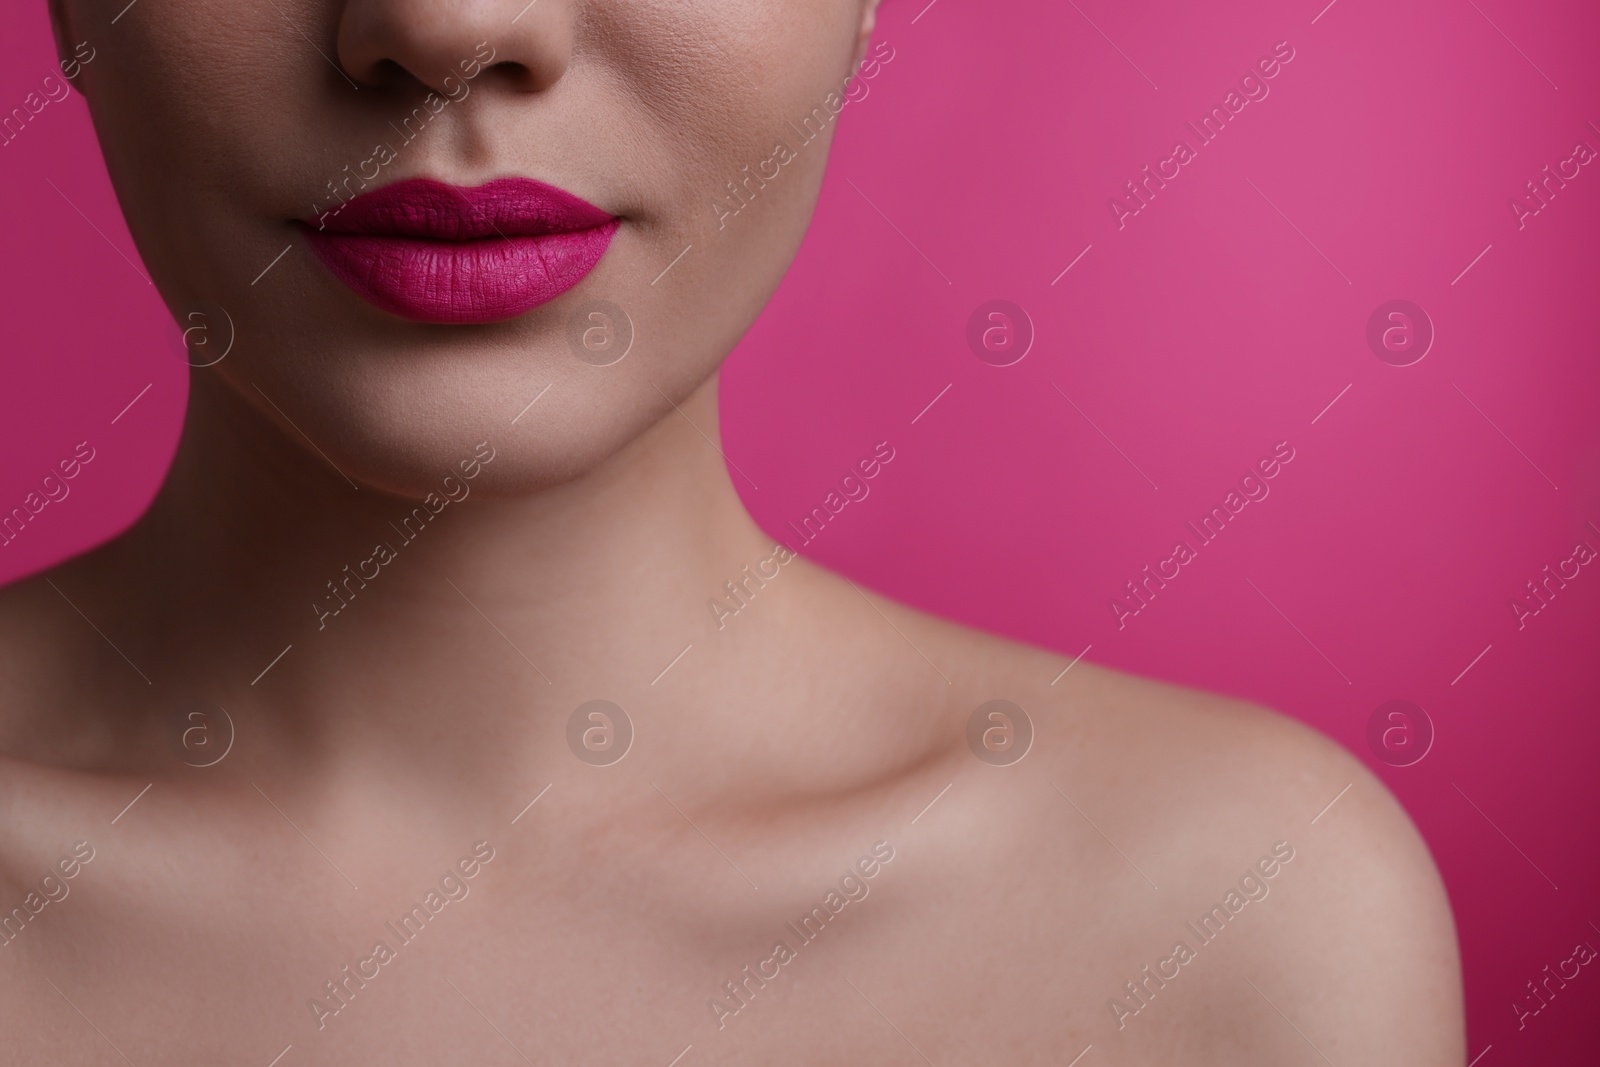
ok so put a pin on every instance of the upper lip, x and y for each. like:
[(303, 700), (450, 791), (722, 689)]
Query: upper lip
[(422, 208)]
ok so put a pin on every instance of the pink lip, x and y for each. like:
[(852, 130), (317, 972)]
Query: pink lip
[(434, 252)]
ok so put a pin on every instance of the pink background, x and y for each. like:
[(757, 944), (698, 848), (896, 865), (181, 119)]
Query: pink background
[(1195, 338)]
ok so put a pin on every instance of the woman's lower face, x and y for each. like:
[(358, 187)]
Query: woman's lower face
[(405, 213)]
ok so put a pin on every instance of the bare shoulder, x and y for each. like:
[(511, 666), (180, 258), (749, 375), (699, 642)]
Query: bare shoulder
[(1309, 906), (1356, 947)]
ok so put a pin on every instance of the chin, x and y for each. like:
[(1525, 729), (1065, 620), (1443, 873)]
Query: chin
[(399, 422)]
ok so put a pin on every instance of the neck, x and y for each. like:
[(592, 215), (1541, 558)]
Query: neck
[(256, 544)]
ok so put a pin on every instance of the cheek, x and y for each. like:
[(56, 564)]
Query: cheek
[(730, 116), (720, 86), (199, 167)]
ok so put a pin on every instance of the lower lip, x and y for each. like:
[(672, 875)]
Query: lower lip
[(462, 282)]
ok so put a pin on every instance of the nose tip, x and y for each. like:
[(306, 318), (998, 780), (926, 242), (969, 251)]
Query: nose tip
[(520, 46)]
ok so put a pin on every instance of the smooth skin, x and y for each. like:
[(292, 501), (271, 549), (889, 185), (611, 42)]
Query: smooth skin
[(426, 715)]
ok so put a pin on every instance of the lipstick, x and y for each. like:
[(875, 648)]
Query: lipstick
[(433, 252)]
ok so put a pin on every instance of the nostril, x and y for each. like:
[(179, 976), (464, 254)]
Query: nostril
[(509, 70), (388, 74), (395, 44)]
